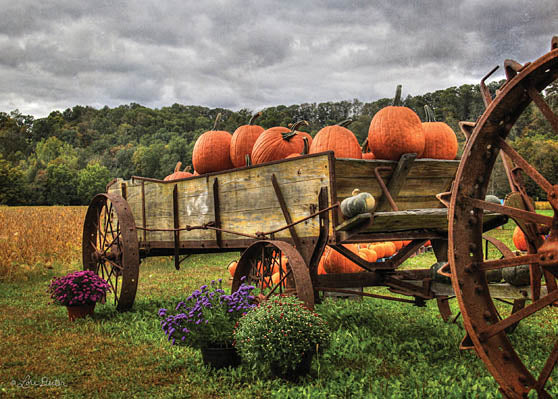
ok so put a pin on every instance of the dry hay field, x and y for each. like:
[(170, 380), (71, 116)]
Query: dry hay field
[(36, 237)]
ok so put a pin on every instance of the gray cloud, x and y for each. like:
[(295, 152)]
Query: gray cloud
[(254, 54)]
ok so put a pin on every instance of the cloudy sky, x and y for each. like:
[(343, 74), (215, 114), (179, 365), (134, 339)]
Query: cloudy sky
[(55, 54)]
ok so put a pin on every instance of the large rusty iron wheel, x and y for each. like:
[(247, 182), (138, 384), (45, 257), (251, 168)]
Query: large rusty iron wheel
[(110, 247), (488, 334), (263, 259)]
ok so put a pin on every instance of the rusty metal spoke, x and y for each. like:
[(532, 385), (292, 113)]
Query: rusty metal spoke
[(518, 316), (543, 107), (515, 213), (111, 243), (519, 161), (505, 262), (547, 369), (279, 284)]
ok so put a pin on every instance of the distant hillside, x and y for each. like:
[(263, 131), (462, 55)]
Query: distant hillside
[(69, 156)]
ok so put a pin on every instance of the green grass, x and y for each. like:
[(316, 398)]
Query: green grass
[(380, 349)]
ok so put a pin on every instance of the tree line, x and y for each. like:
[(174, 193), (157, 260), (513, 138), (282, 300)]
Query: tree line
[(69, 156)]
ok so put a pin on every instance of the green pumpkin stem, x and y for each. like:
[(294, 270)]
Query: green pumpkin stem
[(248, 160), (345, 123), (254, 117), (429, 114), (306, 146), (397, 99), (288, 135), (217, 119)]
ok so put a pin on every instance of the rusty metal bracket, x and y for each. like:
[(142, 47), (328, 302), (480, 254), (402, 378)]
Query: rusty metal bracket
[(286, 214), (486, 96), (396, 181), (387, 194), (123, 191), (217, 212)]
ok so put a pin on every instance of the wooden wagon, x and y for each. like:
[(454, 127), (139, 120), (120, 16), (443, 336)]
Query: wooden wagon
[(289, 209)]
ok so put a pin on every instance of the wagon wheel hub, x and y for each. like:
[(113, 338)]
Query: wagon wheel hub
[(548, 255)]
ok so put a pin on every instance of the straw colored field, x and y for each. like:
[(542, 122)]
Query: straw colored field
[(33, 238)]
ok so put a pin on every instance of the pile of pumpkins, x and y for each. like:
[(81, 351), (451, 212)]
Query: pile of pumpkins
[(394, 130), (333, 262)]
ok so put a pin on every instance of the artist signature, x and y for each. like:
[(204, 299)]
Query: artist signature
[(28, 382)]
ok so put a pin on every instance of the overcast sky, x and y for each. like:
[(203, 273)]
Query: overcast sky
[(55, 54)]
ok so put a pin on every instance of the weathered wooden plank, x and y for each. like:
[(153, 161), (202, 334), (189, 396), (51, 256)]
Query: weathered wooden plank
[(500, 290), (247, 200)]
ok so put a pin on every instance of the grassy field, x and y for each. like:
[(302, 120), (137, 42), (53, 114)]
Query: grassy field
[(380, 349)]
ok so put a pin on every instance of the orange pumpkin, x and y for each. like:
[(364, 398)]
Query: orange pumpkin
[(379, 248), (395, 130), (398, 245), (178, 174), (277, 143), (390, 247), (321, 269), (232, 267), (212, 150), (519, 239), (304, 151), (334, 262), (339, 139), (366, 153), (440, 141), (243, 140), (371, 255)]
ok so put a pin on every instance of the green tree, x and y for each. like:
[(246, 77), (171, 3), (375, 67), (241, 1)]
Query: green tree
[(61, 183), (11, 184), (91, 181)]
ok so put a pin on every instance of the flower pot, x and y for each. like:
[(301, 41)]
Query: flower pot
[(219, 358), (301, 369), (80, 311)]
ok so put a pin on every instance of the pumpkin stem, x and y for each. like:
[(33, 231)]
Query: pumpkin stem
[(177, 167), (364, 146), (217, 119), (187, 168), (397, 99), (429, 114), (248, 160), (306, 147), (254, 117), (345, 123), (288, 135)]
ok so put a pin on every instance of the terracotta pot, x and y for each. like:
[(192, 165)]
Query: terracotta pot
[(80, 311), (219, 358)]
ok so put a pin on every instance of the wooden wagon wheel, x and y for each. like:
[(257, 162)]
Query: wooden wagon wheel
[(487, 332), (263, 259), (110, 247)]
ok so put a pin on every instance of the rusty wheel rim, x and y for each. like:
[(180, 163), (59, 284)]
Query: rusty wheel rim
[(110, 247), (487, 332), (262, 259)]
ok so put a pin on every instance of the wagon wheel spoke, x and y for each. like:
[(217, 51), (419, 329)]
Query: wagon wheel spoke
[(543, 107), (515, 213), (547, 369), (109, 246), (520, 162)]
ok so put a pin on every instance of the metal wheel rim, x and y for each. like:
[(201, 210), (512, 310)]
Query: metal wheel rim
[(295, 280), (110, 246), (465, 232)]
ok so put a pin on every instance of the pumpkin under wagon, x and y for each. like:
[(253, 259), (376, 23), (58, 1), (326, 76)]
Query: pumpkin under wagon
[(290, 209)]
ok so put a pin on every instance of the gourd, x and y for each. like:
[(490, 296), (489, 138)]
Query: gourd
[(395, 130), (357, 203), (277, 143), (212, 150), (440, 141), (243, 140), (177, 174), (339, 139)]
